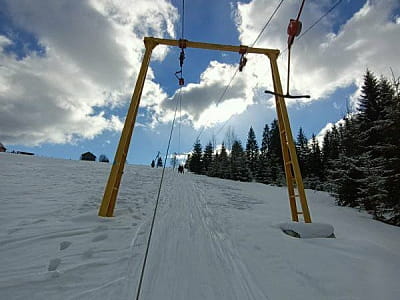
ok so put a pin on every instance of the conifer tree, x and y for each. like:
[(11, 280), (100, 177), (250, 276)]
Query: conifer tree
[(275, 153), (264, 168), (370, 106), (303, 153), (370, 140), (224, 165), (238, 163), (252, 152), (214, 170), (195, 164), (388, 208), (207, 158), (315, 171)]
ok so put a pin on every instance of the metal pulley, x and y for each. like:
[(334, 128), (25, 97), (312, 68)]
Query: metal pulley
[(293, 30), (243, 59), (182, 45)]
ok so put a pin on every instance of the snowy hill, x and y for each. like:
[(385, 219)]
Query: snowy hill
[(213, 239)]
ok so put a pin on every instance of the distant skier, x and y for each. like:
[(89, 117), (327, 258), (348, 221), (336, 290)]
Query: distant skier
[(153, 163), (159, 162), (181, 169)]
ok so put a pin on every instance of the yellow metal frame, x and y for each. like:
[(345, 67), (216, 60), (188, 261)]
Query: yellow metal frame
[(292, 170)]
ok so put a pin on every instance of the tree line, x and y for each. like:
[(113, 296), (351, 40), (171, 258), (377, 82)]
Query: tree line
[(358, 161)]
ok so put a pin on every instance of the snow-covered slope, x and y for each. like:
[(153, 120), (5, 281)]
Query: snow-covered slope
[(213, 239)]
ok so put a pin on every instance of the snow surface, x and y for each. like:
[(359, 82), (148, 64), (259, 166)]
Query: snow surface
[(213, 239)]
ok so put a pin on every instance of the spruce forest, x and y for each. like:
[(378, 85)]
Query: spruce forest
[(358, 160)]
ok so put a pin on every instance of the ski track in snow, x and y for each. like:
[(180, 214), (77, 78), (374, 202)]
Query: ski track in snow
[(191, 256), (212, 239)]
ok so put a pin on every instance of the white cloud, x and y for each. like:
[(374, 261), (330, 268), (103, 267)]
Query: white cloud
[(94, 49), (322, 60), (328, 127), (202, 103), (4, 41), (92, 53)]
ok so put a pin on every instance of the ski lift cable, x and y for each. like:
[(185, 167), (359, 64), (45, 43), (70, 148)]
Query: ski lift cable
[(180, 122), (237, 69), (181, 80), (157, 201), (183, 18), (178, 101), (266, 24)]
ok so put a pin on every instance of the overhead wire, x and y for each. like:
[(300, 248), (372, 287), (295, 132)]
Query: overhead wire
[(179, 101), (237, 69), (156, 205), (180, 98), (266, 24)]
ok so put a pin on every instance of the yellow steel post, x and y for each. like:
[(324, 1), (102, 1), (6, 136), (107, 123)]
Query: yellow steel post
[(114, 180), (289, 150)]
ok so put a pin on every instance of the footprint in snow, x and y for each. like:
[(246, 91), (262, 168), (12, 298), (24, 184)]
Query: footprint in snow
[(53, 264), (100, 237), (64, 245)]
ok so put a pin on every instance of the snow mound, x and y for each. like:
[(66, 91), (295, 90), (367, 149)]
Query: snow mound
[(308, 230)]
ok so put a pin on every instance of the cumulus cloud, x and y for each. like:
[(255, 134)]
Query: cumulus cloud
[(93, 49), (324, 60), (92, 53), (202, 103)]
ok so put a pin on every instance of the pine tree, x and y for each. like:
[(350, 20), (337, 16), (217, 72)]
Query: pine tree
[(330, 150), (252, 152), (303, 153), (370, 140), (315, 171), (370, 107), (238, 163), (344, 175), (224, 165), (275, 154), (207, 158), (264, 163), (195, 164), (214, 170), (342, 166), (388, 208)]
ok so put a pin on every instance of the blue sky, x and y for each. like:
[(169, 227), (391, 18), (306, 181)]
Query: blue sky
[(67, 70)]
